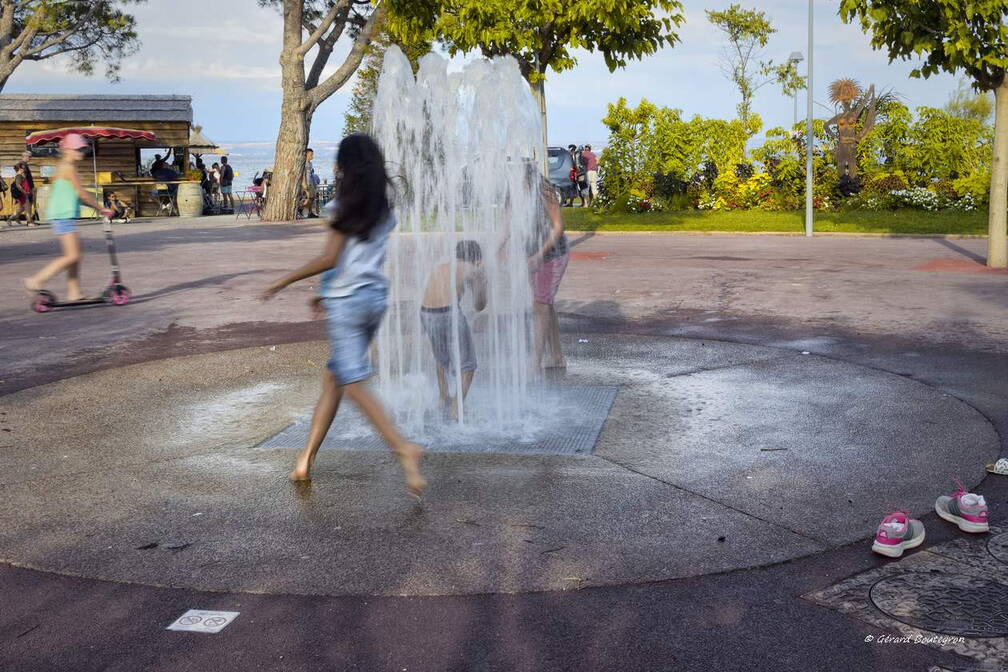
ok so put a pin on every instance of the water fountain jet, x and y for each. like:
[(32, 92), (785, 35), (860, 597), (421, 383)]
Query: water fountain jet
[(461, 150)]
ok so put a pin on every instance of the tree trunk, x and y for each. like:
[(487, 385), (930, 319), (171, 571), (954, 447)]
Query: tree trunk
[(997, 217), (295, 118), (539, 93), (288, 167)]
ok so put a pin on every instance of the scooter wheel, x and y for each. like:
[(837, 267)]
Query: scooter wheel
[(120, 295), (43, 302)]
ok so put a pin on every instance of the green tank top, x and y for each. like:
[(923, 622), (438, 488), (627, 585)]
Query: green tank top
[(63, 203)]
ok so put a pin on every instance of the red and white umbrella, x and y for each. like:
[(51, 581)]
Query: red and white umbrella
[(92, 133)]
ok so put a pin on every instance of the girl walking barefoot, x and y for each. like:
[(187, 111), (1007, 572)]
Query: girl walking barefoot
[(63, 207), (353, 292)]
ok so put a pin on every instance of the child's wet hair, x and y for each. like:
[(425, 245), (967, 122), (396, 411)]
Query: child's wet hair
[(469, 250)]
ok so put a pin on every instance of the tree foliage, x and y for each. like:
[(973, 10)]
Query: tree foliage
[(747, 32), (312, 30), (955, 36), (358, 115), (969, 104), (542, 34), (323, 23), (969, 36), (85, 31)]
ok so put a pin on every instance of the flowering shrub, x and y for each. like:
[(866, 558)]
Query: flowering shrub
[(756, 191), (638, 201), (658, 159), (643, 205), (921, 198), (976, 185), (965, 204), (946, 189), (822, 203), (872, 201)]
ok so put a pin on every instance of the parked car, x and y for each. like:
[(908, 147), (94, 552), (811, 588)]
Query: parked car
[(560, 164)]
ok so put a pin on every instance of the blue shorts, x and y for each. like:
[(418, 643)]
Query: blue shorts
[(352, 323), (63, 226), (225, 189)]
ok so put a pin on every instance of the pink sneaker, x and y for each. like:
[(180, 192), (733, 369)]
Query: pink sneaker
[(965, 509), (896, 533)]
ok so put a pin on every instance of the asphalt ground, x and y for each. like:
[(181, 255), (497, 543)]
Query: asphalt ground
[(857, 305)]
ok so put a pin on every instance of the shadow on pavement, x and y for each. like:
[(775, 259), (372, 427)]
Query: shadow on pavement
[(181, 287), (961, 250), (160, 239)]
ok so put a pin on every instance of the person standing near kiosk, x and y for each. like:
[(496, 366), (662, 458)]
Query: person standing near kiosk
[(31, 208), (226, 182)]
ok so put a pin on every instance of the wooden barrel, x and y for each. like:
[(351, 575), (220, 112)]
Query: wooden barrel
[(190, 199)]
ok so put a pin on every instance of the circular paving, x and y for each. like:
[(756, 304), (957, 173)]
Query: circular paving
[(950, 604), (713, 457)]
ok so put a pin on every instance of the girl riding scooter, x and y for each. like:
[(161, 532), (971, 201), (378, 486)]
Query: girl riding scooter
[(65, 197)]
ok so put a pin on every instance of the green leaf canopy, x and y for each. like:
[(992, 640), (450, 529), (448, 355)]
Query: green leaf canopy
[(542, 34), (947, 35)]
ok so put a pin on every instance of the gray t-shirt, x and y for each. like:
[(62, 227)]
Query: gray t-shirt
[(360, 263)]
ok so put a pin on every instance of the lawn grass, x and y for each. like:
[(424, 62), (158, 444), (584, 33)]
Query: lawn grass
[(855, 221)]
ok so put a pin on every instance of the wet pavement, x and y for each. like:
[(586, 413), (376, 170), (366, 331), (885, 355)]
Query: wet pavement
[(776, 395)]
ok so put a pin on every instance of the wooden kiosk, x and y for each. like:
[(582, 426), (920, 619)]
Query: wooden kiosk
[(119, 167)]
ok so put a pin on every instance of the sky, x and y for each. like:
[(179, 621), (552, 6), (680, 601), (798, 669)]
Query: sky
[(224, 53)]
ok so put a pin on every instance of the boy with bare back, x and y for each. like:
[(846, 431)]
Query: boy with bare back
[(436, 317)]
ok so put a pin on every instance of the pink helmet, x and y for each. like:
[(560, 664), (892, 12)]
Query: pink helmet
[(73, 141)]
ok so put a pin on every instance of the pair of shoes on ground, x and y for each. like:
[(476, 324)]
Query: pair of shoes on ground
[(1000, 467), (899, 532)]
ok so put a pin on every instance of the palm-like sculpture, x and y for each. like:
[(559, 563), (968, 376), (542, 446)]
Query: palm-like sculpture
[(852, 104)]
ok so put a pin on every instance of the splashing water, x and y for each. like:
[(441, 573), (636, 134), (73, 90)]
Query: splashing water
[(462, 151)]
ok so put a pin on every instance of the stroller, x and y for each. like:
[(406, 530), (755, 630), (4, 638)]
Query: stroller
[(211, 205)]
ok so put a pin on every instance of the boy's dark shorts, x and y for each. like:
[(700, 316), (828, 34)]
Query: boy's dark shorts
[(437, 324)]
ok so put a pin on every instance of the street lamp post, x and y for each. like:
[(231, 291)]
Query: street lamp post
[(795, 58), (808, 129)]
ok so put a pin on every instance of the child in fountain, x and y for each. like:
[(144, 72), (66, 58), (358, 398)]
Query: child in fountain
[(437, 320)]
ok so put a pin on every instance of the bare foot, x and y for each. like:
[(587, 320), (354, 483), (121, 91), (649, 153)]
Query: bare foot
[(562, 364), (559, 366), (302, 470), (409, 455), (449, 411), (31, 286)]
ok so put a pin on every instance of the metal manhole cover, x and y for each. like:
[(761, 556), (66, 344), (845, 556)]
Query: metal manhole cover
[(998, 547), (950, 604)]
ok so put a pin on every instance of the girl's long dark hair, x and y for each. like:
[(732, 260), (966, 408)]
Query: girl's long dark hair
[(362, 196)]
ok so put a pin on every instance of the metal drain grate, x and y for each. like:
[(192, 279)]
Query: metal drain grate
[(951, 604), (575, 431), (998, 547)]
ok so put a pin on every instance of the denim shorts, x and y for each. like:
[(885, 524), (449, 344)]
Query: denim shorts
[(63, 226), (352, 323), (225, 188)]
